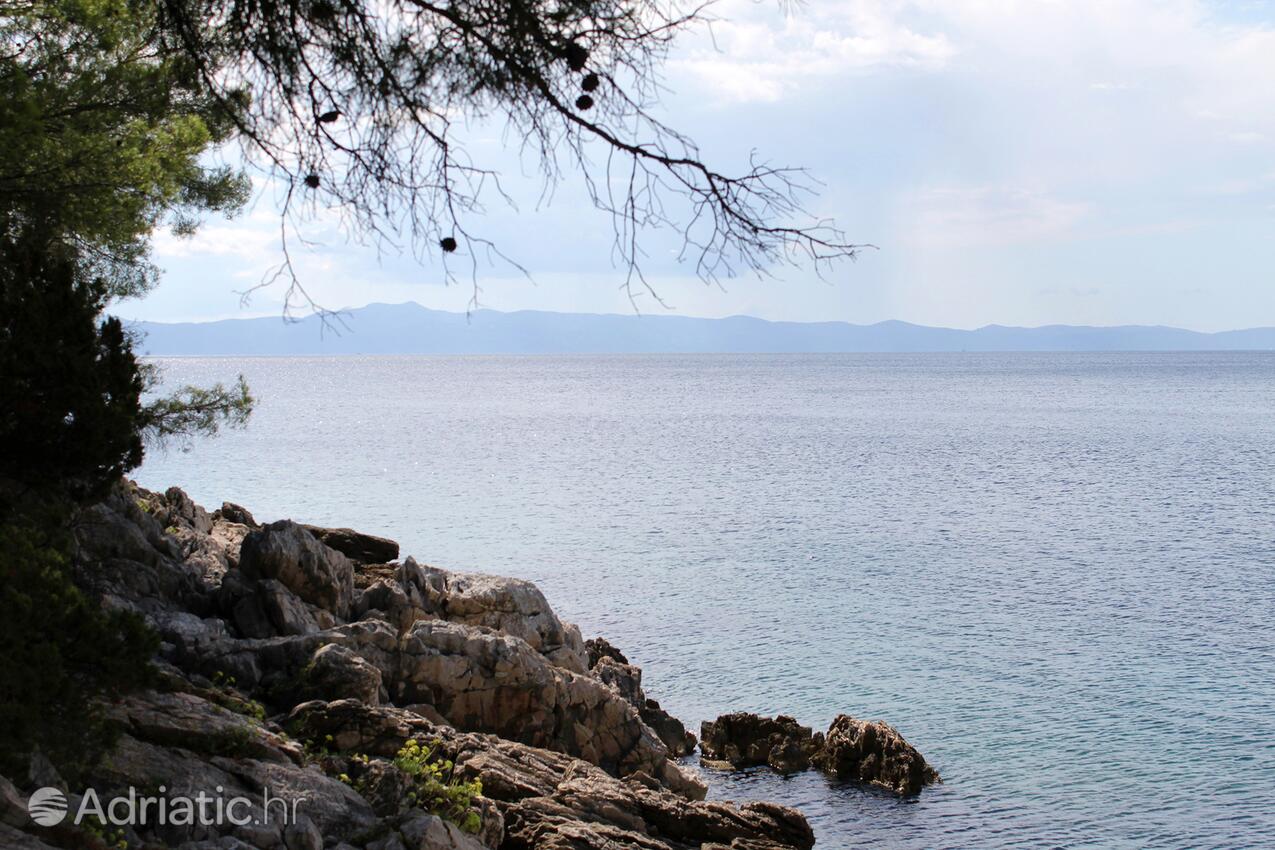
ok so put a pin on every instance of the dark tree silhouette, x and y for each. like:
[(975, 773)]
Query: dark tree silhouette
[(70, 387), (360, 106)]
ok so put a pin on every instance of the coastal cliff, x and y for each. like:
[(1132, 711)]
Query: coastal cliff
[(400, 706)]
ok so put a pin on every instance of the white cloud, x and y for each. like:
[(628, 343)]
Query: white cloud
[(1120, 144), (985, 215), (752, 56)]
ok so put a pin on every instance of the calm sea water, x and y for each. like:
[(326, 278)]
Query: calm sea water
[(1055, 574)]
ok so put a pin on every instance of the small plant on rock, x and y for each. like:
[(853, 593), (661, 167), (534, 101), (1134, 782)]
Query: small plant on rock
[(436, 789)]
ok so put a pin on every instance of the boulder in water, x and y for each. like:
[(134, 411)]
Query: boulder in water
[(874, 752), (743, 739)]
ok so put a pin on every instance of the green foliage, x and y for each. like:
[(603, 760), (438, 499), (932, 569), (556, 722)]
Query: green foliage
[(62, 654), (224, 694), (436, 789), (70, 388), (103, 133), (197, 411)]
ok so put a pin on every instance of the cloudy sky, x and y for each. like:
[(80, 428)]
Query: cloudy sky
[(1052, 161)]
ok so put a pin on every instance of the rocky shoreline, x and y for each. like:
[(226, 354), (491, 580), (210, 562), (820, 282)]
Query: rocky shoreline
[(411, 708)]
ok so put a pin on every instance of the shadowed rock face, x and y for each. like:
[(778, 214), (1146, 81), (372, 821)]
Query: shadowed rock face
[(743, 740), (263, 627), (364, 548), (550, 800), (286, 552), (626, 680), (599, 648)]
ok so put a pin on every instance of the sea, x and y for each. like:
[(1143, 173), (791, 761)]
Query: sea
[(1054, 574)]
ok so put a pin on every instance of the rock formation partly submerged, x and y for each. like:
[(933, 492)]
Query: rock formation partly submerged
[(864, 751), (290, 665), (304, 660)]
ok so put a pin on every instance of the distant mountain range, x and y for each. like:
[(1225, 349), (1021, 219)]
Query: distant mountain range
[(413, 329)]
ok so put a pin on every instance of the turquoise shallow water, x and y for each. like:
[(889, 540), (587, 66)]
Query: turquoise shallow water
[(1055, 574)]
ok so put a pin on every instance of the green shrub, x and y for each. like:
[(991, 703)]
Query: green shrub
[(436, 789)]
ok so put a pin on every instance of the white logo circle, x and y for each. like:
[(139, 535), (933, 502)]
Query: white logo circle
[(47, 806)]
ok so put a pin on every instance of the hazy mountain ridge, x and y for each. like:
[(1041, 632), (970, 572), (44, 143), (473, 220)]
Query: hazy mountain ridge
[(412, 329)]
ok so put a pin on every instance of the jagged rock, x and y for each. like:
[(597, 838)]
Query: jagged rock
[(335, 672), (549, 799), (670, 730), (382, 784), (509, 605), (874, 752), (287, 613), (584, 757), (274, 665), (266, 608), (232, 513), (195, 724), (589, 809), (106, 534), (364, 548), (387, 599), (180, 510), (185, 635), (227, 763), (626, 680), (423, 831), (743, 739), (599, 648), (302, 835), (488, 682), (230, 535), (623, 678), (286, 552)]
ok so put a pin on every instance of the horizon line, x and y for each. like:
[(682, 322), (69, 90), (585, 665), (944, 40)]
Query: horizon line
[(734, 316)]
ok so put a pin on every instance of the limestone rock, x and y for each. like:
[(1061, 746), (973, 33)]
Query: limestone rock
[(570, 750), (302, 835), (626, 680), (599, 648), (484, 681), (198, 725), (743, 739), (266, 608), (232, 513), (514, 607), (670, 730), (874, 752), (549, 799), (364, 548), (422, 831), (275, 665), (335, 672), (180, 510), (286, 552), (388, 599)]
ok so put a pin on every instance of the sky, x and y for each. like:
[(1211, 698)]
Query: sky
[(1097, 162)]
